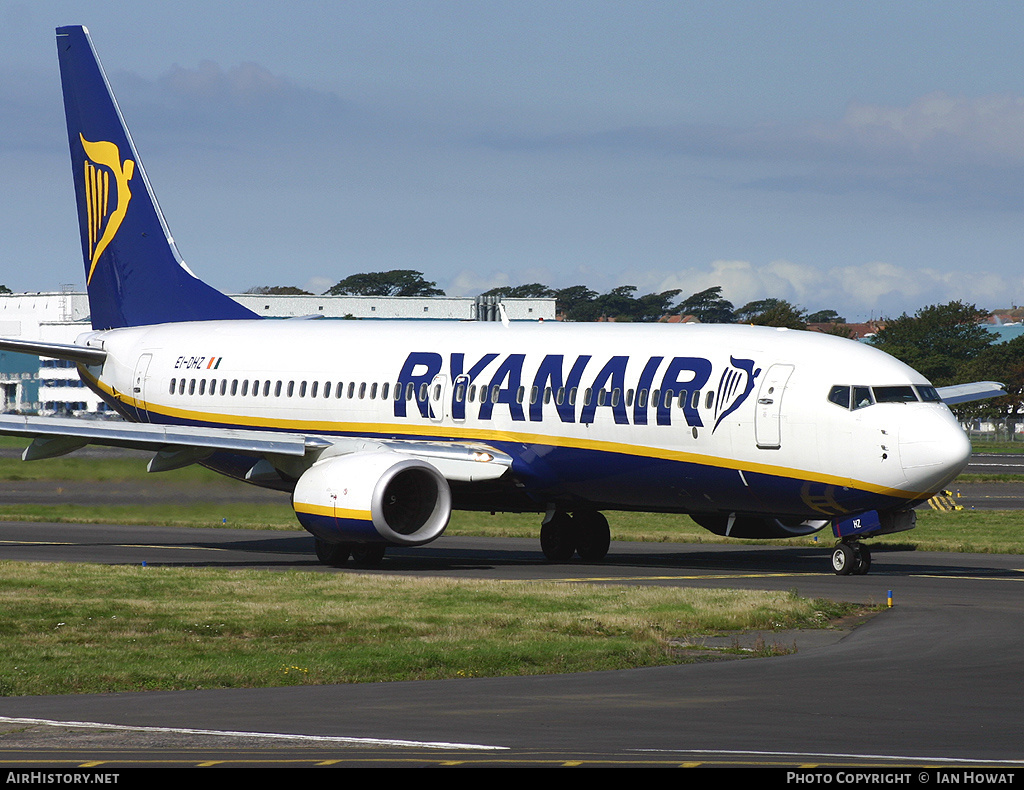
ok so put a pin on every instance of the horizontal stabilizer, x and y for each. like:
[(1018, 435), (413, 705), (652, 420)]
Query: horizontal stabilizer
[(976, 390), (86, 355)]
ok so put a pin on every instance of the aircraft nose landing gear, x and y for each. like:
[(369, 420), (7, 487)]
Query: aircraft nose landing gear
[(851, 557)]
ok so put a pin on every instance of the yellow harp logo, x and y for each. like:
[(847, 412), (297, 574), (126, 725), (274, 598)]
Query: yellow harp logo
[(106, 203)]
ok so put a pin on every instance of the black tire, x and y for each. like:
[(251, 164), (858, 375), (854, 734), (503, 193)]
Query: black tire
[(593, 536), (333, 554), (844, 559), (863, 560), (558, 538), (368, 555)]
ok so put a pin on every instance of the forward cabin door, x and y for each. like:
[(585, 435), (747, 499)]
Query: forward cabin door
[(768, 416)]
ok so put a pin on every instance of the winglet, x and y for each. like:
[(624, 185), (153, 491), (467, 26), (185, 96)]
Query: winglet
[(134, 274), (976, 390)]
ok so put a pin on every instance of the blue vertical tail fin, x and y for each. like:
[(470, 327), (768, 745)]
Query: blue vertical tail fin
[(134, 274)]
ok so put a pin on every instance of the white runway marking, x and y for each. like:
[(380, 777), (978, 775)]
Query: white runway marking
[(266, 735)]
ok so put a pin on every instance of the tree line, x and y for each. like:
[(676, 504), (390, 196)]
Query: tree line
[(948, 343), (580, 303)]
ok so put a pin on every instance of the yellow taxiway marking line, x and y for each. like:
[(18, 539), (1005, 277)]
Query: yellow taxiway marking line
[(692, 577), (675, 578), (973, 578)]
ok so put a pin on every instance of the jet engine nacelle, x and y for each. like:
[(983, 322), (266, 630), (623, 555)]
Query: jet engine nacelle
[(755, 527), (373, 497)]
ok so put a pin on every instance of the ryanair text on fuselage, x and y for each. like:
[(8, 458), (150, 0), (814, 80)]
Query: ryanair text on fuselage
[(664, 385)]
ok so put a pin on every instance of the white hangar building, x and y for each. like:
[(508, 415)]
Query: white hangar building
[(50, 386)]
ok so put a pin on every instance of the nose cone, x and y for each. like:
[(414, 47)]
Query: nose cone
[(933, 448)]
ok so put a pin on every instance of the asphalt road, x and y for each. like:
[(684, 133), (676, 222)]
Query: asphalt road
[(996, 463), (932, 681)]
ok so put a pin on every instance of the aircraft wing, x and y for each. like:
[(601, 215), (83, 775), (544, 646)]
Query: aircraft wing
[(965, 393), (177, 445)]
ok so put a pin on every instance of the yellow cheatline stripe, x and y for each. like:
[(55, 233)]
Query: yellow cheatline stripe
[(491, 435), (332, 512)]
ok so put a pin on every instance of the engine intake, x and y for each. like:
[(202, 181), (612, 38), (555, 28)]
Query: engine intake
[(373, 497)]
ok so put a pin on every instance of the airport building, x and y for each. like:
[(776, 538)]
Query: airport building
[(49, 386)]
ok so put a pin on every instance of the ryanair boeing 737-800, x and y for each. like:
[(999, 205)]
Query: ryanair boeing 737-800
[(378, 430)]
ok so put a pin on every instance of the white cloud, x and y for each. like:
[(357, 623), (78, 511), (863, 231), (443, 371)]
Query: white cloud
[(873, 288), (958, 148), (984, 129), (318, 285)]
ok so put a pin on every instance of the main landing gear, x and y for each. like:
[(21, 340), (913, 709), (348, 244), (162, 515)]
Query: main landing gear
[(851, 557), (363, 555), (585, 533)]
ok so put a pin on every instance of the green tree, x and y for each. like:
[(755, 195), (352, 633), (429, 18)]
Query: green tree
[(5, 290), (579, 303), (575, 303), (1003, 362), (652, 307), (398, 282), (938, 340), (825, 317), (282, 290), (708, 307), (528, 291), (772, 312), (618, 303)]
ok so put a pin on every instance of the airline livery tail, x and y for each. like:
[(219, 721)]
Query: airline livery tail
[(378, 430), (133, 271)]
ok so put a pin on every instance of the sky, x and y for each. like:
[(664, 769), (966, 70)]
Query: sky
[(866, 157)]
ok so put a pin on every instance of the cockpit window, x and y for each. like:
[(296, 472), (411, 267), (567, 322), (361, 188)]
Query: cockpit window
[(857, 397), (840, 396), (862, 397), (895, 394)]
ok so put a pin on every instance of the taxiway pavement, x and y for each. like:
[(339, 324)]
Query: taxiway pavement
[(934, 678)]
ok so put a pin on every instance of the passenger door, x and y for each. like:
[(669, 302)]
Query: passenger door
[(768, 414)]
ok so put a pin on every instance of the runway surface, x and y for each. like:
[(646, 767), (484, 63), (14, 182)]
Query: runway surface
[(933, 681)]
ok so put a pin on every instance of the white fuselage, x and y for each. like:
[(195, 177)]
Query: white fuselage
[(654, 417)]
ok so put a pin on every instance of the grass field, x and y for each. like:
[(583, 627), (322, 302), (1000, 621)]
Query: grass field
[(83, 628), (975, 531), (89, 628)]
